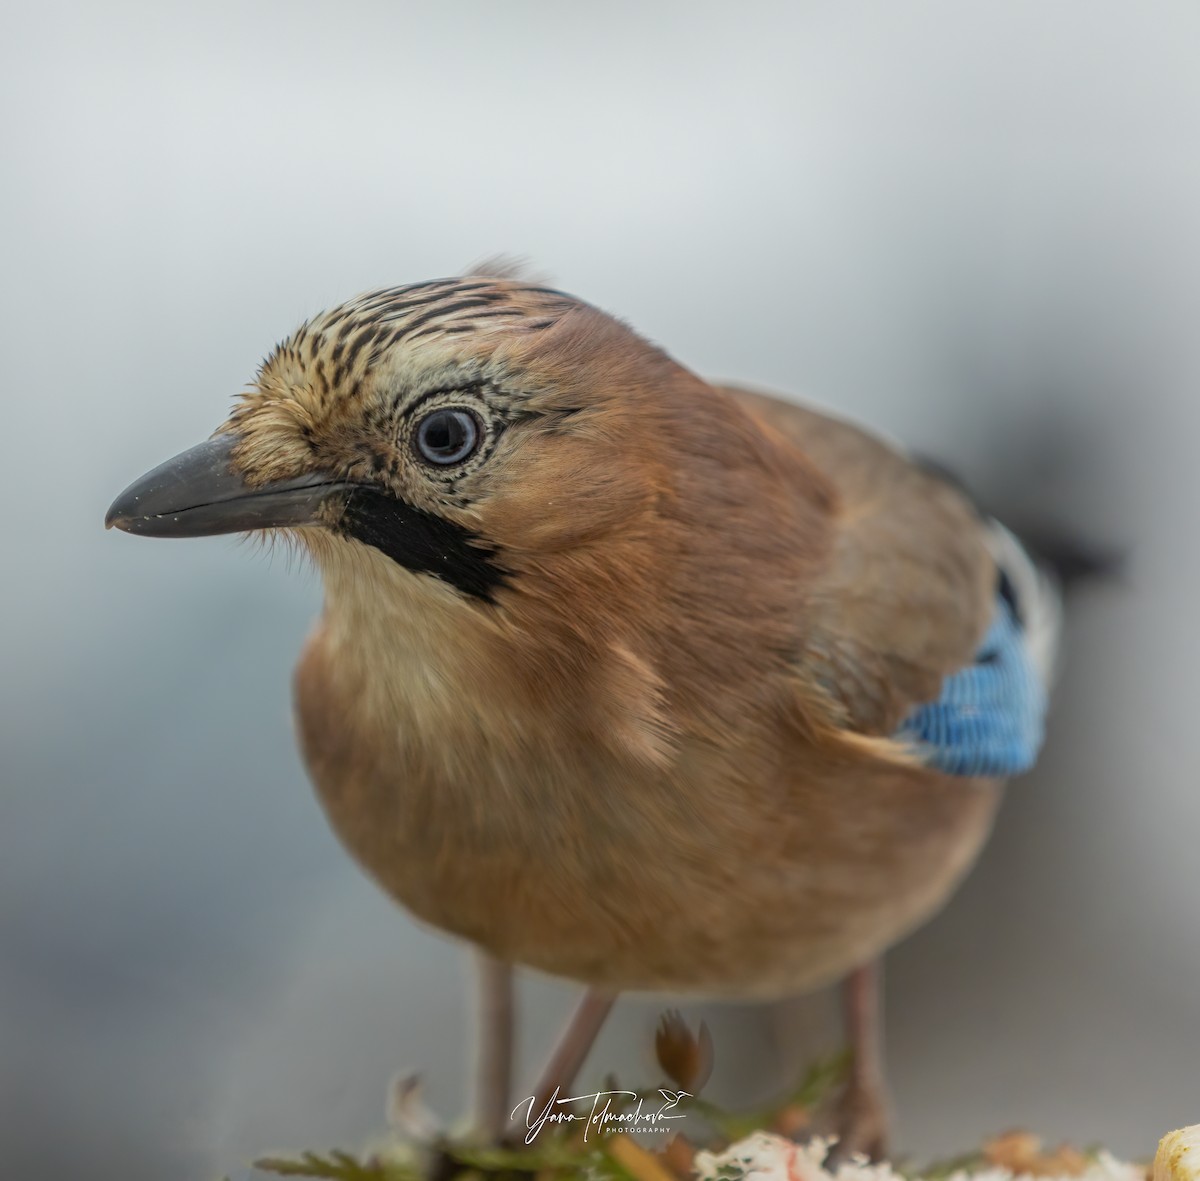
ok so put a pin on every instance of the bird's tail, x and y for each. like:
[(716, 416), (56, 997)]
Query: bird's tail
[(1038, 566), (1034, 592)]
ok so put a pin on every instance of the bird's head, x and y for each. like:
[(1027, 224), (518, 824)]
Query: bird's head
[(465, 429)]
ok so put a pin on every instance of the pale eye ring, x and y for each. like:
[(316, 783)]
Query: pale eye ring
[(447, 435)]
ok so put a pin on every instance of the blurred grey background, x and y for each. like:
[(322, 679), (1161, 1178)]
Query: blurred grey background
[(976, 226)]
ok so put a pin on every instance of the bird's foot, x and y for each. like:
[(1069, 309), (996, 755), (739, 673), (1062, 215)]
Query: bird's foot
[(861, 1125)]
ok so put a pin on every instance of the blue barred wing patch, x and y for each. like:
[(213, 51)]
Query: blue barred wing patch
[(990, 717)]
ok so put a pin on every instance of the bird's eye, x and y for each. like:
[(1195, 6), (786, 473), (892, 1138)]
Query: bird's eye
[(447, 436)]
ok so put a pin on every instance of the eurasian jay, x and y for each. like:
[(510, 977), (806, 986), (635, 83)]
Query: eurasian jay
[(623, 676)]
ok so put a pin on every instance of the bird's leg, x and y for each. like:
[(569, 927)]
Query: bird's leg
[(573, 1046), (862, 1118), (495, 1047)]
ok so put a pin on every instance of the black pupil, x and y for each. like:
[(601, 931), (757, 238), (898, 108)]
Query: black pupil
[(447, 436)]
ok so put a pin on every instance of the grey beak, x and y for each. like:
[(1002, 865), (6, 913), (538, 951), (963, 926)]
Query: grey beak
[(198, 494)]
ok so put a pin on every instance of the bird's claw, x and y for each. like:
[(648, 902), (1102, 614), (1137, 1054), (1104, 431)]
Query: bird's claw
[(861, 1125)]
